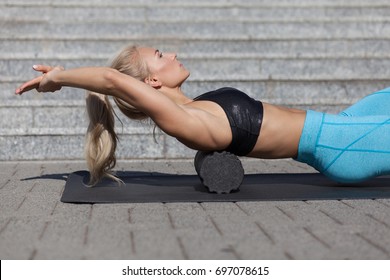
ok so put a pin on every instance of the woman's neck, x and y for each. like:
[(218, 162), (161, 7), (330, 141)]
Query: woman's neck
[(176, 95)]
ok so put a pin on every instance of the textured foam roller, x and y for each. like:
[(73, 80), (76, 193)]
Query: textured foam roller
[(220, 172)]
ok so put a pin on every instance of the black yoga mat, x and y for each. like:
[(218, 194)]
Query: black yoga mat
[(142, 187)]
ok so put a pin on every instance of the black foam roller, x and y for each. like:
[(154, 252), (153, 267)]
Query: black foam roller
[(220, 172)]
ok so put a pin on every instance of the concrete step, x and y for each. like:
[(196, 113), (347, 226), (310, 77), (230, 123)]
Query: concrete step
[(244, 69), (243, 13), (189, 3), (195, 31), (56, 147), (55, 144), (196, 49)]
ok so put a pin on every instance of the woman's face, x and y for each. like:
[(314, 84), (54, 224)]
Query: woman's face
[(165, 67)]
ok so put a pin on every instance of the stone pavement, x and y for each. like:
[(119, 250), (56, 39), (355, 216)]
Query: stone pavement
[(34, 224)]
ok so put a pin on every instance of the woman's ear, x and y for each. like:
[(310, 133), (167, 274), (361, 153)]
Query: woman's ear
[(153, 81)]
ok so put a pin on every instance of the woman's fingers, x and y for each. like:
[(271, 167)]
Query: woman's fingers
[(46, 68), (43, 68), (34, 83)]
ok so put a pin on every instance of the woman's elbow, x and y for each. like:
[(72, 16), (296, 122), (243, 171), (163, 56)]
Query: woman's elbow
[(110, 78)]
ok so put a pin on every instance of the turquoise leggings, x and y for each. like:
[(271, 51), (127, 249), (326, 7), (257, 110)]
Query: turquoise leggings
[(352, 146)]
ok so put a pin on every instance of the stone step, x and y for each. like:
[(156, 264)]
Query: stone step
[(197, 49), (55, 147), (68, 147), (195, 31), (227, 69), (190, 3), (242, 13), (68, 143)]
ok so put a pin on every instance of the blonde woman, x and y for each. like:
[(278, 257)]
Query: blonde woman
[(146, 83)]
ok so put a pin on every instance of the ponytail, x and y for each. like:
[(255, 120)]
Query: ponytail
[(101, 139)]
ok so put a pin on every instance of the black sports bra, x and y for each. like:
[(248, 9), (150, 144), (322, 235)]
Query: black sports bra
[(245, 116)]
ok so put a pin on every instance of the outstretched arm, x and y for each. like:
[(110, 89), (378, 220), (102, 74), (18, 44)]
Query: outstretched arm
[(169, 116), (53, 78), (102, 80)]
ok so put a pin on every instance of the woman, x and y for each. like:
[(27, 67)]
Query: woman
[(349, 147)]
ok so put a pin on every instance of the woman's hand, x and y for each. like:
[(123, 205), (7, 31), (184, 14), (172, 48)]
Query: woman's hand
[(44, 83)]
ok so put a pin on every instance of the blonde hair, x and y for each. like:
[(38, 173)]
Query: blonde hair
[(101, 138)]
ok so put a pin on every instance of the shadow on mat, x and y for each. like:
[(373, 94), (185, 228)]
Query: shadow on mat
[(55, 176), (64, 176)]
